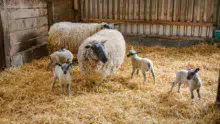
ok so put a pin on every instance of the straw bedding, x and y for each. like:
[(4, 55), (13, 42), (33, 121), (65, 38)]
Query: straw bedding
[(25, 95)]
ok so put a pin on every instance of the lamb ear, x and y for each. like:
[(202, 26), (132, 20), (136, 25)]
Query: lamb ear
[(88, 46), (197, 70)]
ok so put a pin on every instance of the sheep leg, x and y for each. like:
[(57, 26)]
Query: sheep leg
[(68, 89), (132, 74), (144, 74), (53, 83), (152, 72), (61, 87), (174, 83), (192, 95), (198, 92), (179, 85), (137, 72)]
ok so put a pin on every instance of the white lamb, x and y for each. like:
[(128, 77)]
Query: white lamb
[(63, 74), (144, 64), (189, 77), (101, 54), (61, 56)]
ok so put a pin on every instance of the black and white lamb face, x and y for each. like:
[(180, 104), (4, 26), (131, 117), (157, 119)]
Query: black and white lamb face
[(65, 67), (132, 52), (192, 73), (98, 49)]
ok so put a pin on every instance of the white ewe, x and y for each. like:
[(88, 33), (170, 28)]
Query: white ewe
[(101, 54)]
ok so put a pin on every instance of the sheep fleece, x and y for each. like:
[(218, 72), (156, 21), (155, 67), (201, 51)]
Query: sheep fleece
[(92, 68)]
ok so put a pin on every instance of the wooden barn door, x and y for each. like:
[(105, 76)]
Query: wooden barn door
[(177, 19), (2, 51)]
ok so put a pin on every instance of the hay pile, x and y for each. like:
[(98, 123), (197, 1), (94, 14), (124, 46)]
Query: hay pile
[(70, 34), (25, 95)]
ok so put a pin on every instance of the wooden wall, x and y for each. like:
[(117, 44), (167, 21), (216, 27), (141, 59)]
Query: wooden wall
[(62, 10), (164, 18), (25, 27)]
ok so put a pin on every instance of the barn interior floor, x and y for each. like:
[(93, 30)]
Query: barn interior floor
[(25, 95)]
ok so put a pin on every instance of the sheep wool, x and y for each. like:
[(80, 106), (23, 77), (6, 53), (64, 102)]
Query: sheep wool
[(70, 34), (92, 68)]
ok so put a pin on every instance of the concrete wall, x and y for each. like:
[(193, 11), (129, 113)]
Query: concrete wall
[(25, 27)]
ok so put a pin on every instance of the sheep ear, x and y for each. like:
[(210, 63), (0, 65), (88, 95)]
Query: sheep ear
[(88, 46), (71, 64), (103, 41), (197, 70), (68, 61)]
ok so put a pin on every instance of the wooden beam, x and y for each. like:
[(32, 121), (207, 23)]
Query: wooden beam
[(165, 37), (147, 22), (218, 90), (49, 13)]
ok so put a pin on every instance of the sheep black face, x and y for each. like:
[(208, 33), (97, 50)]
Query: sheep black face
[(65, 67), (108, 26), (191, 73), (132, 52), (99, 49)]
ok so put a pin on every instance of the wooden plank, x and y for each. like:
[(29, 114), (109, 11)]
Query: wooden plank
[(148, 9), (26, 4), (202, 6), (119, 9), (113, 9), (166, 37), (183, 10), (148, 22), (49, 17), (4, 20), (26, 13), (27, 44), (205, 10), (108, 9), (21, 24), (19, 36)]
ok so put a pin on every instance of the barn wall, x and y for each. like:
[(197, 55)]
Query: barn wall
[(25, 25), (155, 18)]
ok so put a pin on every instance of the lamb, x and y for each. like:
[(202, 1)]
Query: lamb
[(144, 64), (60, 56), (189, 77), (63, 74), (101, 54), (71, 35)]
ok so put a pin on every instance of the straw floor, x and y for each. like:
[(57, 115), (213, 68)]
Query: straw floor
[(25, 95)]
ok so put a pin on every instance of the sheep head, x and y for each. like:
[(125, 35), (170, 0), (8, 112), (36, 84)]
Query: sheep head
[(99, 50)]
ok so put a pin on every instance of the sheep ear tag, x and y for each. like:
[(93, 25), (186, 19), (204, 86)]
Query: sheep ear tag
[(59, 64), (88, 46), (138, 52), (103, 41)]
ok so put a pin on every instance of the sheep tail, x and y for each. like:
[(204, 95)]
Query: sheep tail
[(152, 71)]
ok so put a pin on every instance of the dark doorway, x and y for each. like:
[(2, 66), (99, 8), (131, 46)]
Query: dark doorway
[(2, 51)]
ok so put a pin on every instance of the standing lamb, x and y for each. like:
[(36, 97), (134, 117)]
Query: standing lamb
[(60, 56), (144, 64), (63, 74), (101, 54), (189, 77)]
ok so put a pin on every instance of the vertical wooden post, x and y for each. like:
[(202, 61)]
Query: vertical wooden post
[(50, 13), (77, 10), (218, 91), (5, 20)]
